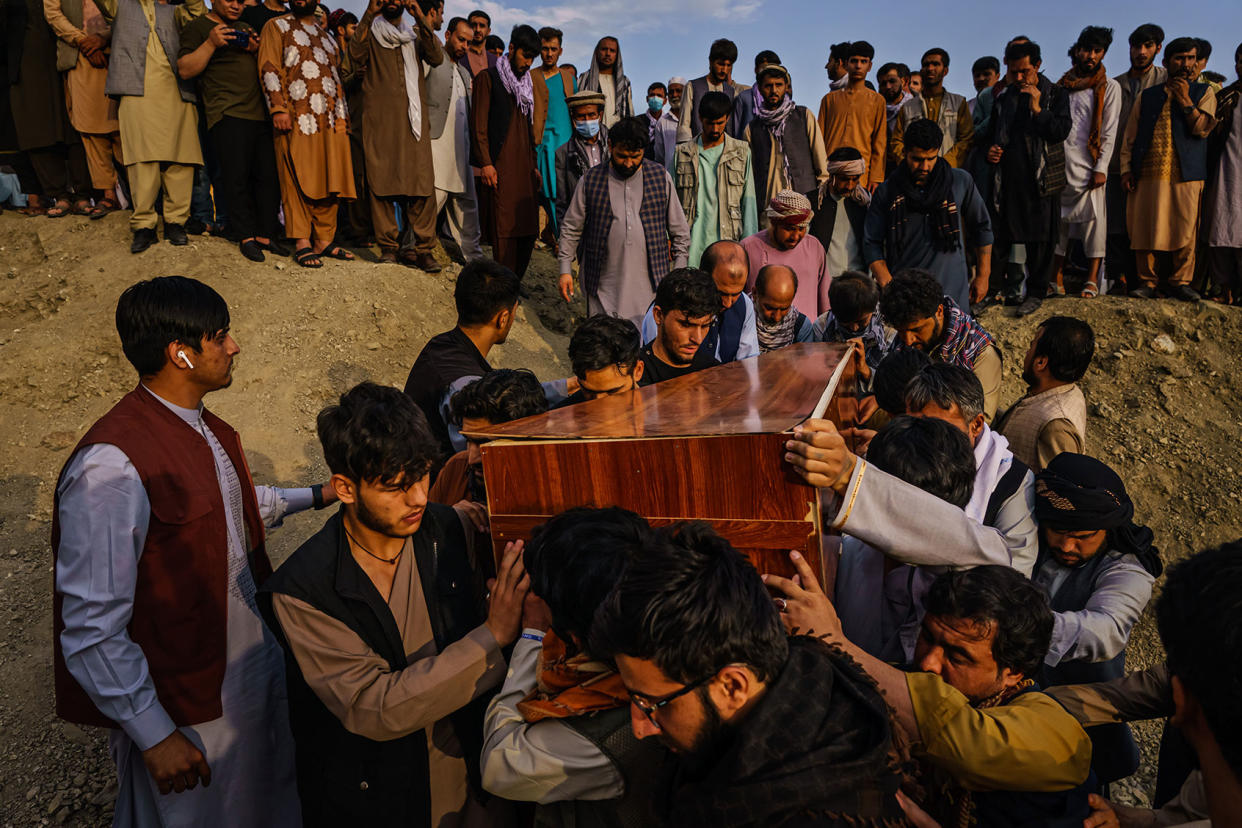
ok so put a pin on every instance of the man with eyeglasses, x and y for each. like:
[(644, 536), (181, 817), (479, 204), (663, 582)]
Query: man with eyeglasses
[(766, 729)]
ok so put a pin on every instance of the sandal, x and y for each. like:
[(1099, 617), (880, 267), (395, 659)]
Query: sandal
[(307, 257), (34, 210), (81, 208), (1090, 290), (335, 251), (58, 210), (103, 207), (1055, 290)]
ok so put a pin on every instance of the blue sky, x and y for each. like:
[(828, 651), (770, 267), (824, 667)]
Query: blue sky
[(661, 38)]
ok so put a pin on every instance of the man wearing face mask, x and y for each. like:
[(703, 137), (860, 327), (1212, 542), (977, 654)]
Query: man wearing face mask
[(587, 147), (507, 118), (396, 139), (661, 125), (625, 226)]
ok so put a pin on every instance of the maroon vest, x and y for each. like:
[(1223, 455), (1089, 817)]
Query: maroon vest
[(180, 612)]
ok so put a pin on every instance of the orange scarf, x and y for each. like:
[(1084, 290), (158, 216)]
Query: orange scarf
[(1098, 82), (571, 685)]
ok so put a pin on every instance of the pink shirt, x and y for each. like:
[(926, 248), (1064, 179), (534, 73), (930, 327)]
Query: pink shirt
[(806, 260)]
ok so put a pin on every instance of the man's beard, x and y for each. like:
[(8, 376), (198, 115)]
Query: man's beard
[(624, 172), (373, 522), (392, 13), (1028, 376), (1086, 68), (302, 11), (711, 742)]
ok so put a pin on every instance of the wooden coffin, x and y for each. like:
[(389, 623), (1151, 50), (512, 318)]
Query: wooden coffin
[(707, 446)]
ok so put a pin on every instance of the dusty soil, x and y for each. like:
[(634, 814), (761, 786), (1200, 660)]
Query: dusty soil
[(1166, 413)]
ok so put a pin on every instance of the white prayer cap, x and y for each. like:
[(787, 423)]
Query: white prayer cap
[(672, 81)]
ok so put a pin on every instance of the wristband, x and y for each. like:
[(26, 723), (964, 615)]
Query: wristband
[(317, 496), (530, 636)]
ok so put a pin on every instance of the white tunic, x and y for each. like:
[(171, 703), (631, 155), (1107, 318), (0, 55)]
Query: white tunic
[(1080, 203), (449, 153)]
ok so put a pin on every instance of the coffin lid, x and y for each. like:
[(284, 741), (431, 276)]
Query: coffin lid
[(770, 393)]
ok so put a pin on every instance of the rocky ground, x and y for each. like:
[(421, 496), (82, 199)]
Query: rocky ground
[(1163, 394)]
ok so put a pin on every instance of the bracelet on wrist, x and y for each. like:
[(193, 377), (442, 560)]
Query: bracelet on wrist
[(317, 496)]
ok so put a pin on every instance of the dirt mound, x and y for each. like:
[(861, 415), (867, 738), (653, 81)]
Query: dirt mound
[(1163, 397)]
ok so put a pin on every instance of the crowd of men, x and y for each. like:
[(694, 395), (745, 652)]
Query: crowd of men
[(250, 120), (966, 664)]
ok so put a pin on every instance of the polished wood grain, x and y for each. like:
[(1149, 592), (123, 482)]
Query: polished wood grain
[(769, 393)]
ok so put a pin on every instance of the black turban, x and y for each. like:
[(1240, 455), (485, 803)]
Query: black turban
[(1077, 493)]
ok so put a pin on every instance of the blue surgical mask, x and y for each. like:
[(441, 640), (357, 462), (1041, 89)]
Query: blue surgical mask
[(587, 129), (655, 104)]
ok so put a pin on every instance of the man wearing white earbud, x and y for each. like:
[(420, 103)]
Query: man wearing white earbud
[(157, 536)]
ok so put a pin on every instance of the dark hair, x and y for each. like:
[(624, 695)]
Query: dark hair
[(427, 5), (1197, 616), (717, 251), (479, 13), (602, 340), (549, 33), (500, 396), (839, 51), (494, 42), (999, 597), (690, 291), (911, 295), (914, 72), (155, 312), (1093, 37), (343, 19), (845, 154), (1205, 48), (1069, 345), (723, 49), (923, 134), (1180, 46), (928, 453), (985, 64), (576, 558), (524, 38), (1237, 53), (1014, 52), (851, 295), (946, 385), (765, 57), (761, 278), (376, 434), (1147, 33), (861, 48), (901, 69), (630, 134), (484, 288), (892, 376), (772, 70), (692, 604), (453, 23), (657, 85), (936, 50), (714, 105)]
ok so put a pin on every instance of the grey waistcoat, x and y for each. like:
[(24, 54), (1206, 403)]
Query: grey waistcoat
[(67, 53), (440, 92), (128, 66)]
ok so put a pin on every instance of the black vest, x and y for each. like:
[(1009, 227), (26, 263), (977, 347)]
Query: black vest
[(698, 88), (641, 763), (726, 332), (344, 778), (797, 149), (446, 358), (825, 218), (1191, 151)]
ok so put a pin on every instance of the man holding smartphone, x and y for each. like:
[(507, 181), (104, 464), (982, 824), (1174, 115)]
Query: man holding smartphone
[(219, 50)]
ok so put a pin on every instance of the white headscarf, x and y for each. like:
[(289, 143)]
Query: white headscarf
[(402, 37)]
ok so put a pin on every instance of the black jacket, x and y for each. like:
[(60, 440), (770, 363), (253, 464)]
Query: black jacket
[(446, 358), (344, 778)]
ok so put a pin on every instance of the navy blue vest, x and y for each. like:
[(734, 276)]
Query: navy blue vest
[(727, 332), (1191, 151)]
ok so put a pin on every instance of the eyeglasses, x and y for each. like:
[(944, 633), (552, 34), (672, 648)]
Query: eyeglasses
[(650, 706)]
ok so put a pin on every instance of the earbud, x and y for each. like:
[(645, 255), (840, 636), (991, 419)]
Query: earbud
[(185, 359)]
